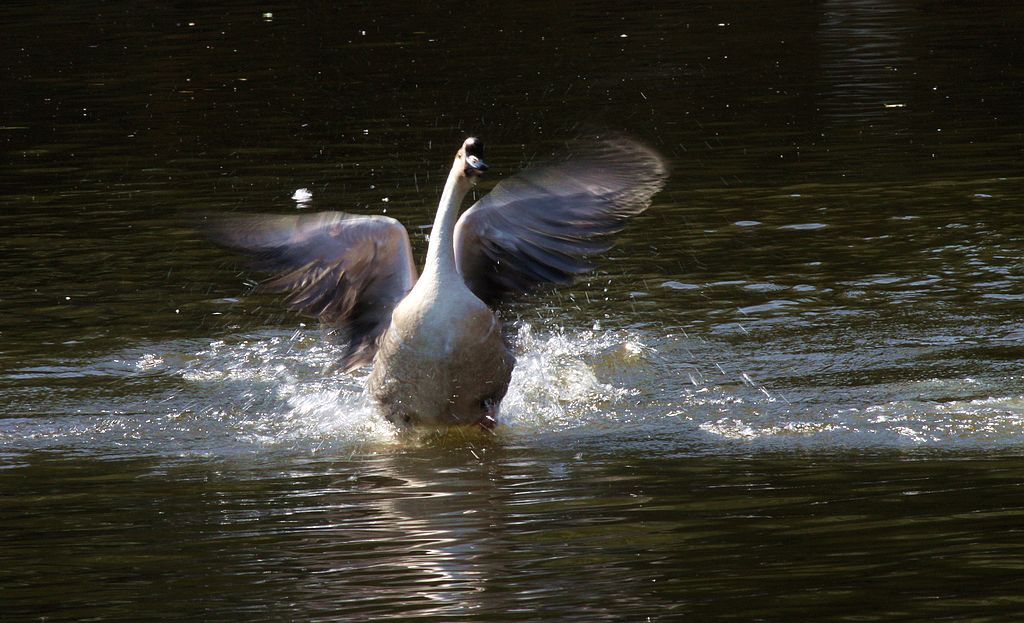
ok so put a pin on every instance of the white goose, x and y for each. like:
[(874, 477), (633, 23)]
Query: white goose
[(436, 344)]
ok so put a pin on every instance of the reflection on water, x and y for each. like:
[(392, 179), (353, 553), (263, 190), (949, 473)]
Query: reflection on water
[(866, 60), (792, 392), (465, 532)]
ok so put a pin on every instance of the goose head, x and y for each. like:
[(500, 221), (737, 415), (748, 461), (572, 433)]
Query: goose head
[(469, 161)]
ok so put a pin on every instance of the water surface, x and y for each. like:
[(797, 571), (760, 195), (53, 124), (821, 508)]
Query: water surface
[(791, 392)]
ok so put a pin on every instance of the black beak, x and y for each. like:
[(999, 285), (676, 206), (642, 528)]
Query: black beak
[(475, 166)]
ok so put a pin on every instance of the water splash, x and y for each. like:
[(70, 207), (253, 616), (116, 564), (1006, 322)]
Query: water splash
[(275, 391), (286, 392), (555, 385)]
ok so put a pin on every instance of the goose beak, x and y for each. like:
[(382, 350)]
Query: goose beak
[(475, 166)]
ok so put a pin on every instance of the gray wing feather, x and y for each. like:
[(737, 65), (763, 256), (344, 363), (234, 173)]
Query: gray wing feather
[(541, 225), (349, 271)]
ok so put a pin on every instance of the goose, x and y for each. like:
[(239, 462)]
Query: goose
[(438, 352)]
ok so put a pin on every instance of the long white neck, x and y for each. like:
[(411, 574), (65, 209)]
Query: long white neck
[(441, 250)]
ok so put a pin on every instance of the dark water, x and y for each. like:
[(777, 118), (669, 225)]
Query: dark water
[(794, 391)]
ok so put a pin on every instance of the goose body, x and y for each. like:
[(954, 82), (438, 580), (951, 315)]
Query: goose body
[(443, 361), (436, 343)]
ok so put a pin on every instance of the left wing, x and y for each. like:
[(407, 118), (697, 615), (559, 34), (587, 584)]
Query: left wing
[(350, 271)]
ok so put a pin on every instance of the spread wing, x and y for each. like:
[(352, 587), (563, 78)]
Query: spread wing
[(349, 271), (541, 225)]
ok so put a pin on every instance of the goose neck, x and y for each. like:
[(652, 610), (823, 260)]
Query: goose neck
[(441, 251)]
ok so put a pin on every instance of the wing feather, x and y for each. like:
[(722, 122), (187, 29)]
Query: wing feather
[(349, 271), (541, 225)]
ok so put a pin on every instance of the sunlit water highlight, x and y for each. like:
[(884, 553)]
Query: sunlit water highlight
[(621, 388)]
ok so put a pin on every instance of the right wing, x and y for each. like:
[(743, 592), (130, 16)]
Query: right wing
[(541, 225)]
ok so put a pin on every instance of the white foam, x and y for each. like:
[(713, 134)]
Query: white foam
[(281, 391)]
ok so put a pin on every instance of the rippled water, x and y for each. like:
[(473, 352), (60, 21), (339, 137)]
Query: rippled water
[(792, 392)]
